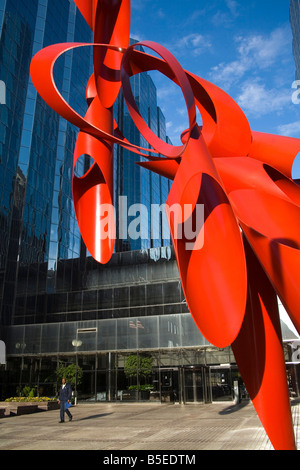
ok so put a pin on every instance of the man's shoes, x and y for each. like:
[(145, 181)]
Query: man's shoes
[(61, 421), (71, 417)]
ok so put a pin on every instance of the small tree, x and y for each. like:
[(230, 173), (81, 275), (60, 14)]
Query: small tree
[(138, 365), (72, 373)]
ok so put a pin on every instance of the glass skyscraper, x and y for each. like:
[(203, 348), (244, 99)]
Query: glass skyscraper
[(295, 25), (57, 304), (38, 226)]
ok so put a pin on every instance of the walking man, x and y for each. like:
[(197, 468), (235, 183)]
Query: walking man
[(65, 395)]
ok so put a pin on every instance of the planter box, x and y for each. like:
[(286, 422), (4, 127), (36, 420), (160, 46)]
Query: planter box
[(48, 405), (53, 405), (144, 395), (23, 409), (18, 408), (129, 395), (134, 395)]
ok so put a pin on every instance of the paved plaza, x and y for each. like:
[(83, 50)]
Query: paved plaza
[(142, 426)]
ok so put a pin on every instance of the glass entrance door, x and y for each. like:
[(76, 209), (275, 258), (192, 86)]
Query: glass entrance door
[(169, 385), (194, 385), (221, 383)]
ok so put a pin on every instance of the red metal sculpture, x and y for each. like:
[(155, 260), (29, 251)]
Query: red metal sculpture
[(243, 179)]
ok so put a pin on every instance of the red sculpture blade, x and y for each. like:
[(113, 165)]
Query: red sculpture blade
[(88, 10), (112, 27), (213, 274), (260, 359), (267, 205)]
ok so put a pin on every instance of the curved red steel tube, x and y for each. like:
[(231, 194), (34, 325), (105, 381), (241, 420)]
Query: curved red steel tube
[(242, 178)]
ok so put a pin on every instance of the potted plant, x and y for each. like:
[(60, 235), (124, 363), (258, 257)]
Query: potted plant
[(138, 367)]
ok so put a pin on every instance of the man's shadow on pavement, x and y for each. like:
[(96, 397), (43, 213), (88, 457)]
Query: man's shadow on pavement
[(95, 416), (233, 408)]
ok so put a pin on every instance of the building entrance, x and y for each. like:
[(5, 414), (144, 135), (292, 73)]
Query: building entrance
[(195, 382), (206, 384), (182, 385), (170, 389)]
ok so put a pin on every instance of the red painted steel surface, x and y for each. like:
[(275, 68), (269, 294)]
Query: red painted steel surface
[(244, 180)]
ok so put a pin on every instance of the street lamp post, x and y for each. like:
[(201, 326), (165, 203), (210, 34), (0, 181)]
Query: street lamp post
[(76, 343)]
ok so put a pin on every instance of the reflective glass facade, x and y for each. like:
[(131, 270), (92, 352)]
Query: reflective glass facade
[(38, 226), (295, 25)]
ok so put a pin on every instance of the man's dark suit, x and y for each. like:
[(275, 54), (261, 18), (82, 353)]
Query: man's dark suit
[(65, 395)]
